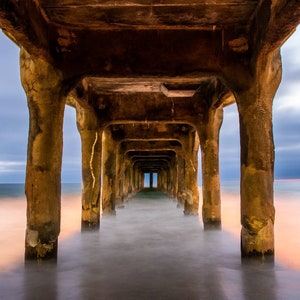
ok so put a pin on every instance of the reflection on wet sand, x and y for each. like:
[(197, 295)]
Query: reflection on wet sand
[(148, 251)]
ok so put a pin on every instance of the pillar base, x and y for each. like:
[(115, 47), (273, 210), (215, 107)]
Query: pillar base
[(119, 202), (109, 212), (258, 258), (190, 213), (41, 252), (258, 245), (212, 225), (120, 205), (89, 226)]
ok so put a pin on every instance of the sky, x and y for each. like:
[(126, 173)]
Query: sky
[(14, 120)]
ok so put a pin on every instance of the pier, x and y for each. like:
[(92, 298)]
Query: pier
[(149, 81)]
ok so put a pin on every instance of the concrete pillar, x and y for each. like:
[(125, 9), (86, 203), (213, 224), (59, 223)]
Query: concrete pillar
[(151, 180), (109, 173), (159, 180), (135, 179), (130, 179), (181, 177), (132, 189), (257, 156), (141, 180), (119, 177), (136, 172), (43, 85), (164, 180), (91, 138), (191, 193), (208, 130), (125, 177), (172, 181), (168, 180), (175, 177)]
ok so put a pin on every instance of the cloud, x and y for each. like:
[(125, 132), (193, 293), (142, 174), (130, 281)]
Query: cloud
[(286, 113), (295, 148), (10, 70), (287, 97), (11, 166)]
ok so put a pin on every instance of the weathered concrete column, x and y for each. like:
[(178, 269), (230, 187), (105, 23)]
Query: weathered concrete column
[(91, 139), (43, 85), (130, 179), (119, 182), (168, 179), (109, 173), (141, 180), (136, 172), (163, 180), (159, 180), (172, 179), (180, 177), (151, 180), (125, 178), (136, 178), (208, 130), (191, 194), (257, 157), (175, 177), (126, 186)]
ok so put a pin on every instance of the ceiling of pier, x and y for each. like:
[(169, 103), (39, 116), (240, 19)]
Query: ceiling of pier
[(172, 38), (151, 160), (151, 147), (146, 46)]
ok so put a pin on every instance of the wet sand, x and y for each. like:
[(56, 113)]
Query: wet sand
[(148, 251)]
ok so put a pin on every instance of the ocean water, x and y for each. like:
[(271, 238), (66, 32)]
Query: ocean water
[(150, 250)]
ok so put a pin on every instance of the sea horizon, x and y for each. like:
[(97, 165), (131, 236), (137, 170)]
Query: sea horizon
[(18, 187)]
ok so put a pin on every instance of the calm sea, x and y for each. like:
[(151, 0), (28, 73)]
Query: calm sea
[(288, 188), (150, 250), (13, 190)]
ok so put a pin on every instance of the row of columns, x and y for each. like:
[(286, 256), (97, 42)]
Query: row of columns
[(46, 95)]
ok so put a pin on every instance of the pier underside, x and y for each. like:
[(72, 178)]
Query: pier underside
[(149, 81)]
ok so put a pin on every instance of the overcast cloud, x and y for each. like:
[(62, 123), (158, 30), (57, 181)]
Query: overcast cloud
[(14, 123)]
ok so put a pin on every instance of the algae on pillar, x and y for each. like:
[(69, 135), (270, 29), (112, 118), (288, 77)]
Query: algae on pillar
[(44, 88)]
